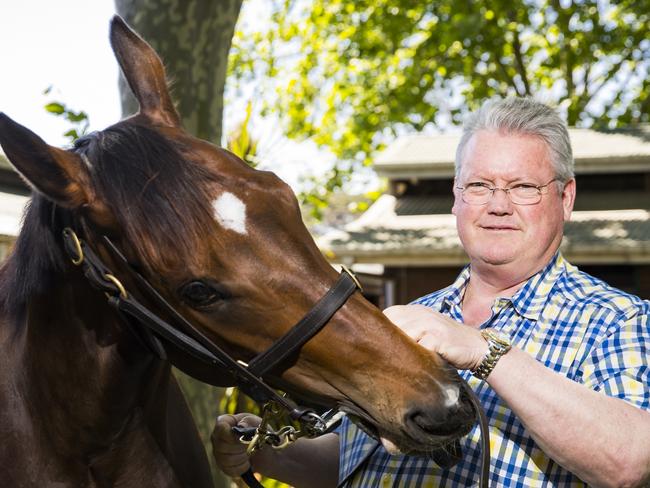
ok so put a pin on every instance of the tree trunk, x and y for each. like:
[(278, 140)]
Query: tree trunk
[(193, 39)]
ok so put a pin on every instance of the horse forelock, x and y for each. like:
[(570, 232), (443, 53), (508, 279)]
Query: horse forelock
[(157, 196)]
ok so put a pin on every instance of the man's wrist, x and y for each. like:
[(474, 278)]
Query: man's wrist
[(498, 345)]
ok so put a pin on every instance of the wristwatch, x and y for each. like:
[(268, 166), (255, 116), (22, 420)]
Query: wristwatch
[(498, 345)]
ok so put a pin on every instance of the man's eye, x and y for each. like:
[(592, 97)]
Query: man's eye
[(525, 189), (477, 188)]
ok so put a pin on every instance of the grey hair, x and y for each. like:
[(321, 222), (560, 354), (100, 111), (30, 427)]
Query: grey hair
[(523, 116)]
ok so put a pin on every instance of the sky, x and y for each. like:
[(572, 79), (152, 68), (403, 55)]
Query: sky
[(64, 44)]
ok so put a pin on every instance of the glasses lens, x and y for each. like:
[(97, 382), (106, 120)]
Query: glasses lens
[(525, 195), (477, 194)]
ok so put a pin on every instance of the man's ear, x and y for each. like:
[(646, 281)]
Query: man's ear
[(61, 176), (455, 191), (568, 198)]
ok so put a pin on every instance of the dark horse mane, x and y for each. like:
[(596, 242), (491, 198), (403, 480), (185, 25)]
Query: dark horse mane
[(147, 184)]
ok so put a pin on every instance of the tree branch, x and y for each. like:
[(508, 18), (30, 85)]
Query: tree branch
[(521, 68), (610, 74), (506, 75)]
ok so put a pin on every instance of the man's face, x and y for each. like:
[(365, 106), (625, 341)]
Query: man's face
[(519, 238)]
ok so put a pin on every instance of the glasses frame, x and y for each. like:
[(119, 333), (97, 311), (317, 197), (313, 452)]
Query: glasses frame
[(493, 189)]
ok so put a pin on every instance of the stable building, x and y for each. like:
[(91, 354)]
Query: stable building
[(406, 245), (14, 195)]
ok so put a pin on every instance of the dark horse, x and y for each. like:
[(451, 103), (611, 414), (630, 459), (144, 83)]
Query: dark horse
[(83, 402)]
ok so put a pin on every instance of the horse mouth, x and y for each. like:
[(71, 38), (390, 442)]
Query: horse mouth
[(360, 418), (441, 445)]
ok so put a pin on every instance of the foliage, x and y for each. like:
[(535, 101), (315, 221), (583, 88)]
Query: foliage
[(240, 141), (325, 207), (79, 121), (352, 75)]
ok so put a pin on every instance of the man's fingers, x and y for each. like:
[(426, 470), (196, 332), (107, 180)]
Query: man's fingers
[(229, 453)]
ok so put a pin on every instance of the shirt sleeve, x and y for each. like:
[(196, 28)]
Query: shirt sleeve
[(619, 365)]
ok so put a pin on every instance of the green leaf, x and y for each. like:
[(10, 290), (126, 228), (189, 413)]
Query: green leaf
[(72, 134), (55, 108), (76, 117)]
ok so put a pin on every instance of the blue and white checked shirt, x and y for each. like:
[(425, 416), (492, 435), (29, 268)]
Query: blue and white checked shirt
[(568, 320)]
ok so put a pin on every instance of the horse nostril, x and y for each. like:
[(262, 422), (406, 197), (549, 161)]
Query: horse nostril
[(441, 422), (447, 419)]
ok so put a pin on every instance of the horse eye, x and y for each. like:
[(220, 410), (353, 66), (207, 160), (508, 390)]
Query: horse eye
[(201, 294)]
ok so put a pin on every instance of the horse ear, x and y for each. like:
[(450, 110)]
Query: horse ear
[(144, 72), (59, 175)]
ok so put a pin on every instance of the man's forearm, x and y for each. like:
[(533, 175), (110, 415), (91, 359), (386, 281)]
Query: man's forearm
[(603, 440), (304, 464)]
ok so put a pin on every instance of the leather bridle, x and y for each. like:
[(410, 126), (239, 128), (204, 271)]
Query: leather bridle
[(155, 332)]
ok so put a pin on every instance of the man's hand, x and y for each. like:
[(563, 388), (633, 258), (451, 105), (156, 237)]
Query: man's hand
[(312, 463), (460, 345), (229, 453)]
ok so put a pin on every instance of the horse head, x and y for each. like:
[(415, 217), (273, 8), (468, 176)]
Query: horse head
[(226, 246)]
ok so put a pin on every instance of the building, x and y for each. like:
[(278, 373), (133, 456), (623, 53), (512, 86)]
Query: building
[(409, 234), (14, 194)]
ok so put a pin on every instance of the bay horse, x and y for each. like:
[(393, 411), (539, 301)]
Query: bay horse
[(84, 401)]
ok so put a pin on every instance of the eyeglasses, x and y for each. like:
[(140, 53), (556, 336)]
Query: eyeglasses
[(521, 194)]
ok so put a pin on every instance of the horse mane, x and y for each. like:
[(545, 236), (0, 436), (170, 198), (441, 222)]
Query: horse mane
[(34, 262), (157, 197)]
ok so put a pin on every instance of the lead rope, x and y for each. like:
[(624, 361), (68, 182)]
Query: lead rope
[(257, 437), (484, 480)]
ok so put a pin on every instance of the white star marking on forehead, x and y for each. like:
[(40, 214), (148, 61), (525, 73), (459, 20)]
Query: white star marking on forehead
[(230, 212)]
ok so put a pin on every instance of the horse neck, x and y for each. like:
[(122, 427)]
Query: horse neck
[(85, 375)]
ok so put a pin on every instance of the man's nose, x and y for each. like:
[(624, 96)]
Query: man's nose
[(500, 202)]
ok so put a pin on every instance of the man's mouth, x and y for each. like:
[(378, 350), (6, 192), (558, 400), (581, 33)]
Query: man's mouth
[(499, 227)]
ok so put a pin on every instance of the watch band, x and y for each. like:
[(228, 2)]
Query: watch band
[(498, 345)]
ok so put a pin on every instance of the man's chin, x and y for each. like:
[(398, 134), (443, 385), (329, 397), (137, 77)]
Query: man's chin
[(498, 259)]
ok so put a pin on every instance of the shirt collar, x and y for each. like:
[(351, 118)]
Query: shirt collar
[(528, 301), (453, 295), (531, 298)]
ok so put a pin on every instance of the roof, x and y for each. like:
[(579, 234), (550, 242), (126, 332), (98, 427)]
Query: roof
[(432, 156), (382, 236)]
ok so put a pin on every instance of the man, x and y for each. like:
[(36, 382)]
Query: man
[(559, 360)]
